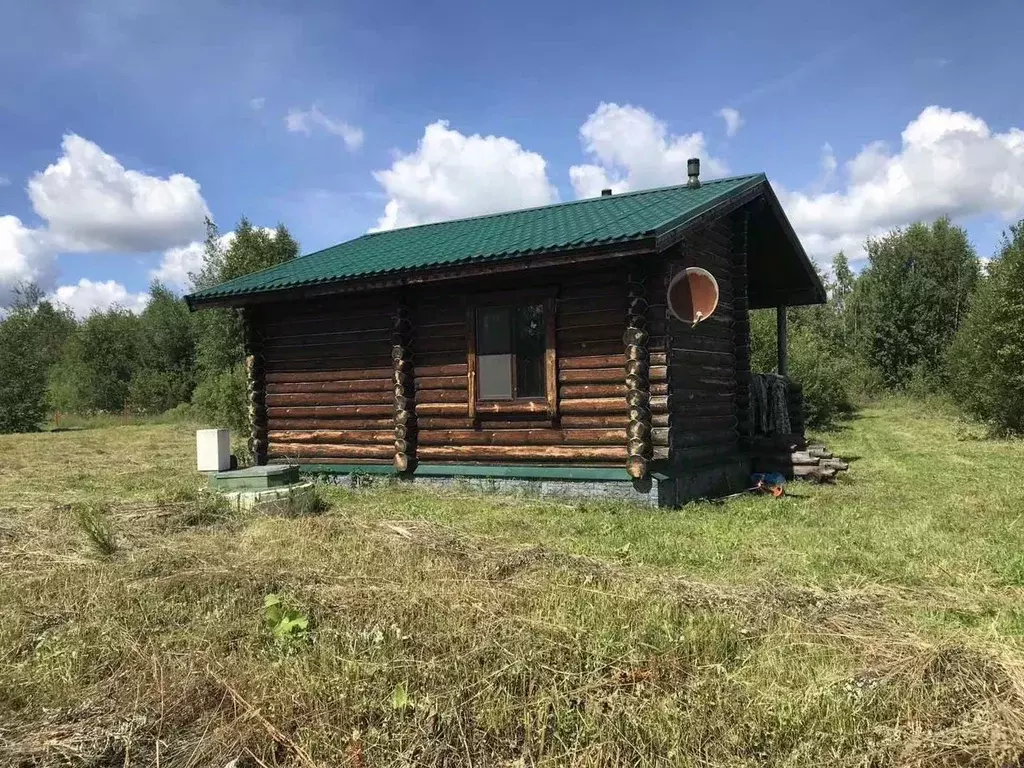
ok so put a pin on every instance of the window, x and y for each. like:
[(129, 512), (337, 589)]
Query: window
[(510, 352)]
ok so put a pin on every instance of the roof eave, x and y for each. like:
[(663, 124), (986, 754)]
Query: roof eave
[(513, 263)]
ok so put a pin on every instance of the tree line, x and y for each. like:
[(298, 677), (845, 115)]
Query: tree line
[(924, 317), (161, 359)]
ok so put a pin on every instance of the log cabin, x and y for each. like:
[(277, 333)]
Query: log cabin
[(537, 347)]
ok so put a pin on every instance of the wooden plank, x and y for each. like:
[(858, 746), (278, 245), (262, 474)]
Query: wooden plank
[(333, 334), (591, 375), (521, 453), (614, 360), (319, 351), (685, 439), (511, 407), (306, 450), (327, 460), (592, 317), (690, 343)]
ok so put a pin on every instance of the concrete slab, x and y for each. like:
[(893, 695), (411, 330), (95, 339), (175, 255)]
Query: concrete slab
[(256, 478)]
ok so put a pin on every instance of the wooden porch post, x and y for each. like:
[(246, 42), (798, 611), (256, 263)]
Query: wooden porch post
[(783, 339)]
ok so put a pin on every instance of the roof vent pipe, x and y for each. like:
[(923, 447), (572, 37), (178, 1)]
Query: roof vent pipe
[(606, 193), (693, 171)]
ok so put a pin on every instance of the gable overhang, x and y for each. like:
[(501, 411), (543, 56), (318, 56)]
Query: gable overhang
[(779, 271)]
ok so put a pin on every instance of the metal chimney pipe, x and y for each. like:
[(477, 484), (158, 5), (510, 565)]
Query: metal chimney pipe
[(693, 171), (606, 193)]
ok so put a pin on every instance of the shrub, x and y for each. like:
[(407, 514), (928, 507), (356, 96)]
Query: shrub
[(22, 375), (221, 400), (986, 360)]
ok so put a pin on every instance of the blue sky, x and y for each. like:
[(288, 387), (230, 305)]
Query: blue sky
[(530, 89)]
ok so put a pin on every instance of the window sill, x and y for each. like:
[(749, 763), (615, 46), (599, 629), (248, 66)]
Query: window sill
[(538, 406)]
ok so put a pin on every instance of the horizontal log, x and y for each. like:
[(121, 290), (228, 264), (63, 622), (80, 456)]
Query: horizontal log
[(332, 337), (590, 347), (691, 343), (320, 351), (593, 405), (523, 437), (453, 328), (425, 344), (352, 385), (521, 453), (357, 363), (440, 382), (306, 450), (330, 411), (607, 421), (333, 436), (682, 399), (613, 360), (442, 409), (685, 438), (299, 326), (329, 398), (659, 404), (322, 423), (591, 333), (591, 317), (354, 374), (601, 375), (703, 455), (511, 422), (592, 390), (441, 395)]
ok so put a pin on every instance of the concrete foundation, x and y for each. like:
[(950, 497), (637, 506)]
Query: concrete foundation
[(246, 500)]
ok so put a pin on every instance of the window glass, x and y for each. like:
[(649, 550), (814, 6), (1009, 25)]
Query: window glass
[(493, 331), (529, 343), (494, 377)]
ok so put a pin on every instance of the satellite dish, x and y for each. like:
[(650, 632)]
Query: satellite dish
[(693, 295)]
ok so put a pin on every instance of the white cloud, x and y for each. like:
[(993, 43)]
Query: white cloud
[(25, 257), (950, 163), (304, 120), (4, 181), (732, 119), (634, 150), (90, 202), (451, 175), (178, 263), (257, 103), (88, 296)]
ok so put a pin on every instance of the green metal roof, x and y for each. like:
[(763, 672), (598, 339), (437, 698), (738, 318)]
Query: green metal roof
[(583, 223)]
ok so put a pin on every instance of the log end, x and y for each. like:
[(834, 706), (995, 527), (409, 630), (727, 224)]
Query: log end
[(636, 466)]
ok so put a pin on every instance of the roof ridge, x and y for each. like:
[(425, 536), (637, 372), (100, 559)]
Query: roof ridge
[(563, 204)]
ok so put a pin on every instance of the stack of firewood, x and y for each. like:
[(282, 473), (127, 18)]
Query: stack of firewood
[(796, 459)]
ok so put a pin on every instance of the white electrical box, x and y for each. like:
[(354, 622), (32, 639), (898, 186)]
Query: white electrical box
[(213, 450)]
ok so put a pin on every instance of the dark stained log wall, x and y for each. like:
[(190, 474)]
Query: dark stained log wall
[(706, 362), (332, 385), (330, 380)]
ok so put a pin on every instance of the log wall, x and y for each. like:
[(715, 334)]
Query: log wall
[(706, 362), (330, 386), (332, 380)]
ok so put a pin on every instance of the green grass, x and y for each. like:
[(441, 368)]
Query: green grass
[(876, 622)]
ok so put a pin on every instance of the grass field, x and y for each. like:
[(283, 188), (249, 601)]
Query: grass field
[(876, 622)]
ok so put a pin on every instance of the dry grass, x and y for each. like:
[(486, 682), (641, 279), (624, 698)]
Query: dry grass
[(442, 638)]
